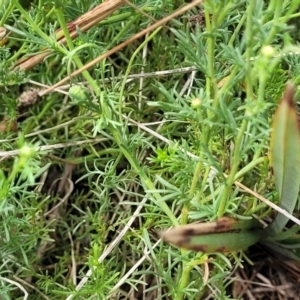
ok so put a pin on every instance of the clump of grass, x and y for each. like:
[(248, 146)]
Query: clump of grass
[(89, 177)]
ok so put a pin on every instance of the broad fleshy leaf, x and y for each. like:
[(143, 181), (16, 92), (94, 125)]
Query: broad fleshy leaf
[(223, 235), (284, 157)]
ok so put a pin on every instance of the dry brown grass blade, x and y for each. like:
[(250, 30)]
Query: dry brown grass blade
[(122, 45), (84, 23)]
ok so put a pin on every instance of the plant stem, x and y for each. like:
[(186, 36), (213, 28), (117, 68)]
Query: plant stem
[(79, 64), (34, 26), (249, 91)]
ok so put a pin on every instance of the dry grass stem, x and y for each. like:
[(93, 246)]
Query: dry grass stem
[(122, 45), (83, 23)]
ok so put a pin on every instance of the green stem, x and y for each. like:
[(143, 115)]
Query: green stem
[(211, 92), (195, 180), (277, 13), (79, 64), (249, 167), (18, 53), (7, 10), (146, 181), (237, 30), (211, 59), (234, 168), (249, 49), (249, 91), (140, 47), (127, 25), (51, 11), (36, 28), (127, 153)]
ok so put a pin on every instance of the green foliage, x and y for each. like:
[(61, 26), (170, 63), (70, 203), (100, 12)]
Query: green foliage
[(148, 153), (228, 234)]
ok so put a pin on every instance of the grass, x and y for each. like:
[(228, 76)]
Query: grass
[(91, 173)]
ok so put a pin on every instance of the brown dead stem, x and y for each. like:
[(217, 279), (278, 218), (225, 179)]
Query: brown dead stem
[(83, 23)]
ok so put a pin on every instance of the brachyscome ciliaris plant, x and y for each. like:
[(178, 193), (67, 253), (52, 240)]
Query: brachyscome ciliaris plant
[(228, 234), (139, 135)]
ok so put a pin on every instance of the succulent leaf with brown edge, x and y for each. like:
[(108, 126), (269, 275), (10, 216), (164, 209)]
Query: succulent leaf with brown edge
[(285, 157), (223, 235)]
